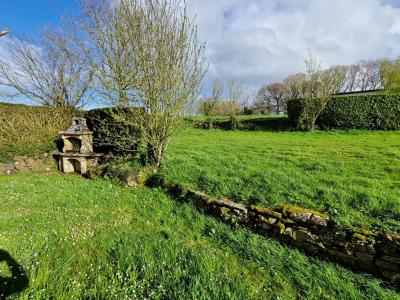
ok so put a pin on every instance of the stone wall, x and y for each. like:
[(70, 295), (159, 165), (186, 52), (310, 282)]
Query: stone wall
[(37, 163), (314, 232)]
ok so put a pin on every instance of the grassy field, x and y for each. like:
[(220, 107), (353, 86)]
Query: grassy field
[(88, 239), (352, 175)]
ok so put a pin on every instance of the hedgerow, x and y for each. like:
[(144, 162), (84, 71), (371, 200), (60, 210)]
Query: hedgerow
[(29, 129), (381, 112)]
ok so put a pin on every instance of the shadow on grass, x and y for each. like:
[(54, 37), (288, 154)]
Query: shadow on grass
[(17, 282)]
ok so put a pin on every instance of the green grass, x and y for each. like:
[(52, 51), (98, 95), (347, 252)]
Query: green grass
[(90, 239), (352, 175)]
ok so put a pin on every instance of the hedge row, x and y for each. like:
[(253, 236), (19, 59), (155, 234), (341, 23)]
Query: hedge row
[(381, 112), (30, 129)]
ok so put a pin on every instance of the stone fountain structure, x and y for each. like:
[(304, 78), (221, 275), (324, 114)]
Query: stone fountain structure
[(77, 154)]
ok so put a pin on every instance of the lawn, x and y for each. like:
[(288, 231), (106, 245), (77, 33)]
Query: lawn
[(88, 239), (352, 175)]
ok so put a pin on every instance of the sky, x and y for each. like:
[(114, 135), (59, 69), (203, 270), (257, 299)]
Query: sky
[(260, 41)]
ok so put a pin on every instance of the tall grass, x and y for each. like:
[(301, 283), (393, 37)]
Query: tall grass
[(81, 239)]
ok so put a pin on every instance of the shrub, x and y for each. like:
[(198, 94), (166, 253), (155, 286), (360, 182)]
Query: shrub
[(31, 129), (111, 132), (380, 112)]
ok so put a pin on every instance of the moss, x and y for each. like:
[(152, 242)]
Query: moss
[(360, 237), (365, 232), (265, 211), (291, 210), (281, 227)]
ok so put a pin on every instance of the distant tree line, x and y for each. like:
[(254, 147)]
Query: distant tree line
[(359, 77)]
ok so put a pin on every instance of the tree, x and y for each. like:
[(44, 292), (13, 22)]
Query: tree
[(209, 107), (295, 85), (146, 55), (235, 94), (390, 74), (50, 72), (336, 77), (318, 88), (275, 96)]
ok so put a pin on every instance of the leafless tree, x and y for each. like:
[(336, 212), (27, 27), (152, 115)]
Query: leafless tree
[(295, 85), (274, 95), (352, 78), (337, 78), (147, 56), (370, 75), (51, 72), (235, 94), (319, 87)]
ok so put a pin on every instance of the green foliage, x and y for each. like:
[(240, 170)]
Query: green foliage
[(352, 175), (113, 130), (31, 129), (390, 71), (81, 239), (380, 112), (248, 122)]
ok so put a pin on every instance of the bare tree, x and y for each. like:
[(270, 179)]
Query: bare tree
[(235, 93), (352, 78), (336, 76), (370, 75), (52, 72), (274, 95), (318, 91), (295, 85), (209, 107), (146, 56)]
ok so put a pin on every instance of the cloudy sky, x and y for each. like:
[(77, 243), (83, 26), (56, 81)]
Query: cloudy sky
[(259, 41)]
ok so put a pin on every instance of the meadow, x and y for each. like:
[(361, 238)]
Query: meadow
[(352, 175), (90, 239)]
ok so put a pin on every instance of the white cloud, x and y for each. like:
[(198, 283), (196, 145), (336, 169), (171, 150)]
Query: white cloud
[(258, 41)]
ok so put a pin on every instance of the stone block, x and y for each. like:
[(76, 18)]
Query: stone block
[(387, 265)]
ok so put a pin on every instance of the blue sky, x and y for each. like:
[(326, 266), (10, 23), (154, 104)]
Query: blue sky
[(26, 17)]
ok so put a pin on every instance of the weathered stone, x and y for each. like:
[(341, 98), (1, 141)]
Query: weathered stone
[(391, 259), (29, 162), (364, 256), (265, 211), (345, 257), (302, 236), (318, 220), (392, 276), (6, 167), (20, 158), (387, 265), (230, 204), (304, 215), (19, 165)]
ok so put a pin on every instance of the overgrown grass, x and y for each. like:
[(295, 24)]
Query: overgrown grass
[(93, 240), (352, 175)]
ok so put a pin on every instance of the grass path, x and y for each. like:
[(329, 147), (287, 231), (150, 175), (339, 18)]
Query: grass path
[(82, 239)]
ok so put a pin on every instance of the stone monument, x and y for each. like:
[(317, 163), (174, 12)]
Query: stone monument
[(77, 153)]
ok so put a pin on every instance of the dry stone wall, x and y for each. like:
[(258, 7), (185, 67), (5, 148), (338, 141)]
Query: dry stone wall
[(314, 232), (37, 163)]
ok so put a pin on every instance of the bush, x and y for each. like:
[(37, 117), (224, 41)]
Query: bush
[(381, 112), (111, 133), (31, 129)]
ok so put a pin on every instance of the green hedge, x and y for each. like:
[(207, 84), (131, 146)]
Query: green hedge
[(26, 130), (381, 112)]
